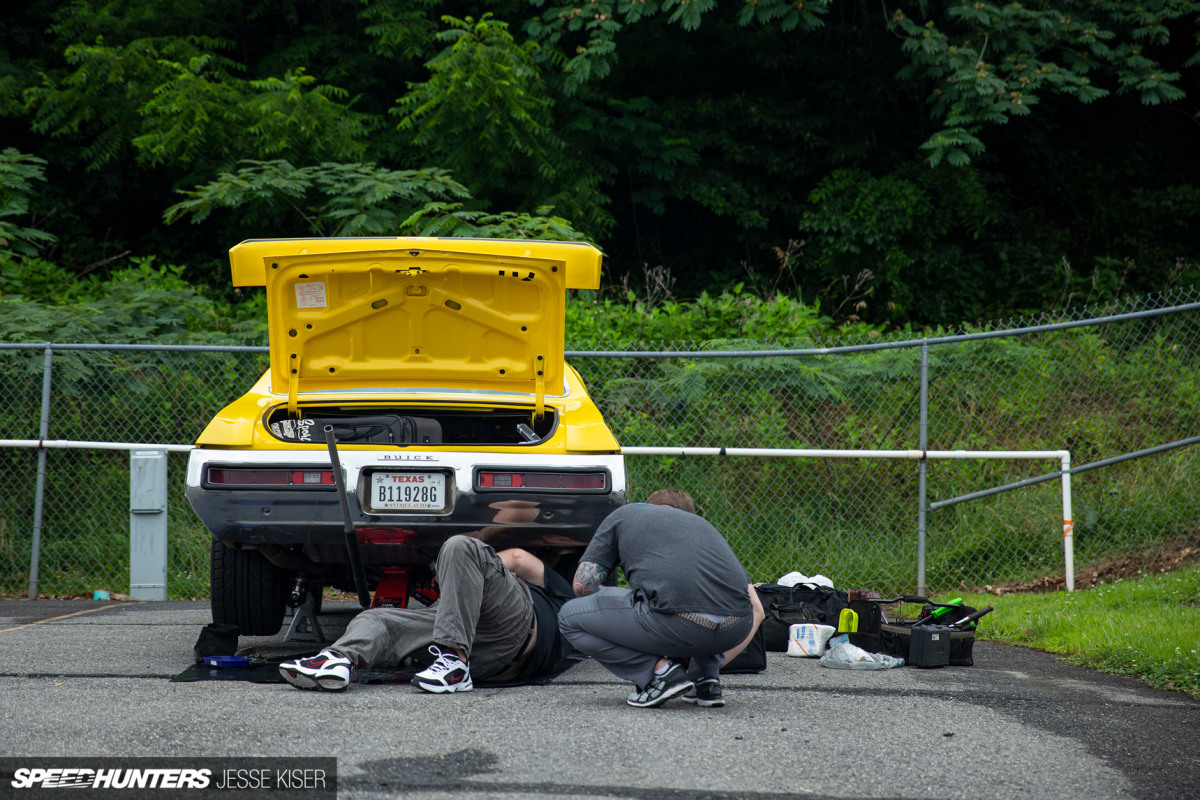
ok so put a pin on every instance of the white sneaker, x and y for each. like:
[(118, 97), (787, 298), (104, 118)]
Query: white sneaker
[(447, 674), (326, 670)]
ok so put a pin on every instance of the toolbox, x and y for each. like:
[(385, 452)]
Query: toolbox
[(918, 646), (921, 642), (929, 646)]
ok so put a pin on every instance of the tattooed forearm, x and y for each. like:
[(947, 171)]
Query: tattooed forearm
[(589, 577)]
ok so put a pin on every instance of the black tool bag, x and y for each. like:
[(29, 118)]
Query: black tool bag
[(870, 619), (895, 639), (386, 429), (216, 639), (752, 659), (789, 605)]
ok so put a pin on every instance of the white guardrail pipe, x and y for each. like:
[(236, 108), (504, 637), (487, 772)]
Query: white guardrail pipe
[(69, 444), (1062, 456)]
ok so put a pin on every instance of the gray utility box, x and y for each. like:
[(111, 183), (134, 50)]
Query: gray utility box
[(929, 646), (148, 525)]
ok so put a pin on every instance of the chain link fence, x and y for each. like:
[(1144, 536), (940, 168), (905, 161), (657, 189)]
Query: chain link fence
[(1098, 381)]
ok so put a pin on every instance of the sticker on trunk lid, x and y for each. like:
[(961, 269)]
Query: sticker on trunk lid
[(310, 295)]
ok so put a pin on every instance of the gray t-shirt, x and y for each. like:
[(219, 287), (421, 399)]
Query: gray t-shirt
[(677, 561)]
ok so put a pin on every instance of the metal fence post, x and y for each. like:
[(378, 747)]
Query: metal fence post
[(1068, 525), (148, 524), (40, 489), (923, 445)]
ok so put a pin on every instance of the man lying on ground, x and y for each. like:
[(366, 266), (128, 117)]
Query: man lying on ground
[(496, 619)]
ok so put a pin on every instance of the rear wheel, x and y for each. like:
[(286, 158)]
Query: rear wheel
[(247, 590)]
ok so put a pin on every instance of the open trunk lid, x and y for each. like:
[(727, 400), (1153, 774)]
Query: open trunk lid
[(479, 314)]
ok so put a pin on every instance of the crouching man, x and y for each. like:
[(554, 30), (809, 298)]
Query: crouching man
[(690, 602), (496, 619)]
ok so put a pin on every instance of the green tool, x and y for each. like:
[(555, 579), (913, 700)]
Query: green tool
[(937, 612)]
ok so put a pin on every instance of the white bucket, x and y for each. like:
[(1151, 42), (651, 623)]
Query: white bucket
[(808, 640)]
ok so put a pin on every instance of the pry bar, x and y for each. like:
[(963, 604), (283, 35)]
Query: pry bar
[(356, 567)]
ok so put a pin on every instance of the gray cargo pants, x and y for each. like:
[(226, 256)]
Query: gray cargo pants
[(627, 637), (484, 610)]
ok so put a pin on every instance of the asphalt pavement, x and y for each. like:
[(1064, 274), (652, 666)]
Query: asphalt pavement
[(82, 678)]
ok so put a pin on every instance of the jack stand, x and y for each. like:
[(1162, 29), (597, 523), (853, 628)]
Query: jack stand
[(305, 627)]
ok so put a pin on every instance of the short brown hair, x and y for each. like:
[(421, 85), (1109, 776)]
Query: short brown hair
[(676, 498)]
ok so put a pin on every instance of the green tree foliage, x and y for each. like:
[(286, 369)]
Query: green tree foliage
[(360, 200), (485, 89), (176, 99), (938, 83), (400, 30), (95, 97), (985, 61), (331, 199), (451, 220), (885, 245), (911, 163), (142, 302), (992, 61), (293, 116), (614, 323), (487, 114), (600, 22), (18, 171)]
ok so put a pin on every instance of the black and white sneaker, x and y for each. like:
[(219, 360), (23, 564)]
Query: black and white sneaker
[(447, 674), (662, 688), (326, 670), (706, 693)]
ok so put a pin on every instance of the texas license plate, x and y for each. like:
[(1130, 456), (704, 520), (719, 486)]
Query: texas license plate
[(407, 491)]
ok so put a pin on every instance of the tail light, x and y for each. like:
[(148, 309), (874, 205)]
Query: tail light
[(495, 480), (385, 535), (248, 476)]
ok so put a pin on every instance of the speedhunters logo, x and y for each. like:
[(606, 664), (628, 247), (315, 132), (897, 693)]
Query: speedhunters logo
[(302, 778), (75, 777)]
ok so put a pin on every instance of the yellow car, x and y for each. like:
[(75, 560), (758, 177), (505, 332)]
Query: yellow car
[(436, 367)]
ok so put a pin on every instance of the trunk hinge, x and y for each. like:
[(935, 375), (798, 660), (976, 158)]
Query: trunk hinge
[(539, 368)]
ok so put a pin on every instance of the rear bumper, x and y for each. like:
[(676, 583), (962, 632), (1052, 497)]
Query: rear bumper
[(310, 520), (258, 517)]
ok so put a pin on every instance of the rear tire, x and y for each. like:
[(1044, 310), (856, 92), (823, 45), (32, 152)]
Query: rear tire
[(247, 590)]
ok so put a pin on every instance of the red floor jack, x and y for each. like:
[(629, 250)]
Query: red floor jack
[(392, 591), (397, 586)]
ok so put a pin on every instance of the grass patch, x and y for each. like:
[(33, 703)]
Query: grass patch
[(1147, 627)]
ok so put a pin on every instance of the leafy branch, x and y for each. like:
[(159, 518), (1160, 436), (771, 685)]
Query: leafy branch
[(332, 199), (18, 171)]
